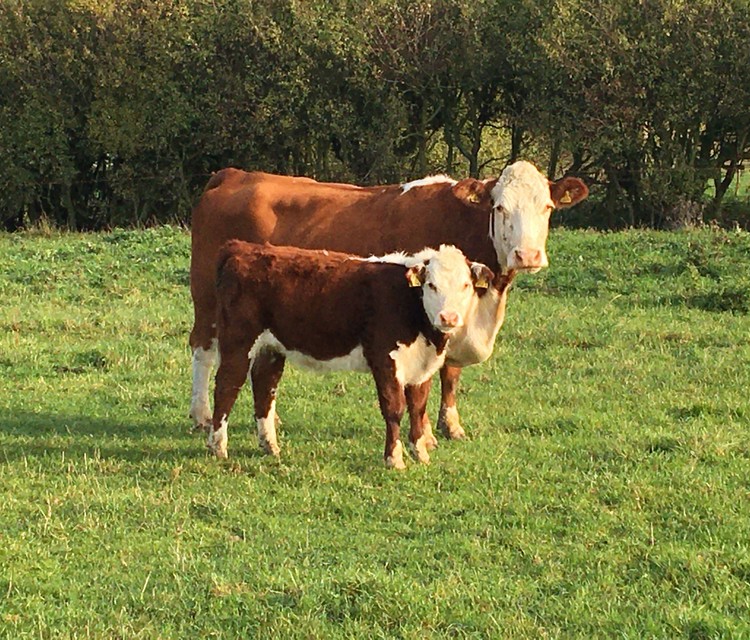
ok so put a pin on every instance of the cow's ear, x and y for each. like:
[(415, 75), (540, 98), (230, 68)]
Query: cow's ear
[(481, 275), (568, 191), (415, 275), (473, 193)]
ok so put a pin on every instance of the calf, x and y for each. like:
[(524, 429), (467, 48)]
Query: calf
[(330, 311)]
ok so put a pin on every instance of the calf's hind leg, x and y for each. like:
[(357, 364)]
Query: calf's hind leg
[(265, 374), (230, 377)]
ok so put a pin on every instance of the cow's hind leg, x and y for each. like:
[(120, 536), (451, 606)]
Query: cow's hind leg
[(421, 439), (265, 373), (204, 362), (230, 377), (448, 421), (205, 355)]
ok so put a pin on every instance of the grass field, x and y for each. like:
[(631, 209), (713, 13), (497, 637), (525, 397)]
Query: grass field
[(604, 491)]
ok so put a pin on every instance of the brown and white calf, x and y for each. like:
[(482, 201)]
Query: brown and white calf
[(329, 311), (501, 222)]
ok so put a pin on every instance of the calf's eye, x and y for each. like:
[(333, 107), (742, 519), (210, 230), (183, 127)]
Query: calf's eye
[(432, 286)]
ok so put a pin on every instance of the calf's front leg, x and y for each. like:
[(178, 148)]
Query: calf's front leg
[(392, 405), (421, 439), (448, 421)]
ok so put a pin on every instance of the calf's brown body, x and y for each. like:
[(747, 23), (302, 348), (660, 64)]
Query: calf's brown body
[(324, 308)]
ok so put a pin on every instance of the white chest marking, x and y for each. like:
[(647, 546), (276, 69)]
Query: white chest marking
[(353, 361), (416, 362)]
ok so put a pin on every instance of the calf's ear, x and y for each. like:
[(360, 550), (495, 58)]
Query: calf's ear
[(415, 275), (473, 193), (481, 275), (568, 191)]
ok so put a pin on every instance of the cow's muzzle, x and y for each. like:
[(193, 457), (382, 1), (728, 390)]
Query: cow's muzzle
[(531, 260), (449, 321)]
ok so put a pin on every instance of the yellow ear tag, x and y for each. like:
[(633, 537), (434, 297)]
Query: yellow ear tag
[(413, 279), (482, 282), (566, 199), (474, 198)]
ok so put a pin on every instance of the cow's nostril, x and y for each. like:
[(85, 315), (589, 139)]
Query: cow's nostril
[(449, 318)]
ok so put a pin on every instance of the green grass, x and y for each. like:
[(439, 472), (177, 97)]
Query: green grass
[(604, 491)]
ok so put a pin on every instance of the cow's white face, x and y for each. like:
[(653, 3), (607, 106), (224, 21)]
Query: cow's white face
[(447, 281), (519, 223)]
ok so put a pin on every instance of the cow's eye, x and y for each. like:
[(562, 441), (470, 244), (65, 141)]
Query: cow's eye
[(432, 286), (466, 285)]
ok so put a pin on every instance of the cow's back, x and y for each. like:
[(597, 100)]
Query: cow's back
[(261, 207)]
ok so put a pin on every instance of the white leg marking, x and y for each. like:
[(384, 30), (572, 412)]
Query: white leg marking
[(267, 432), (418, 450), (430, 439), (396, 459), (450, 424), (204, 361), (217, 440)]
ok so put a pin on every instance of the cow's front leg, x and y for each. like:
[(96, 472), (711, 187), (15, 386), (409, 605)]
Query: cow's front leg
[(448, 421), (229, 380), (265, 374), (421, 439), (392, 405)]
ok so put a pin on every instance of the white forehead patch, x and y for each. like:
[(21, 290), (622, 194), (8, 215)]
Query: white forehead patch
[(424, 182), (521, 186), (447, 262), (448, 258)]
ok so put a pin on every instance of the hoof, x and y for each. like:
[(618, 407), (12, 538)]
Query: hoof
[(202, 419), (396, 459), (430, 440), (418, 451), (219, 450), (449, 424), (217, 442), (270, 448)]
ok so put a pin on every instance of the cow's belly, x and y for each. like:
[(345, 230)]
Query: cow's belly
[(352, 361)]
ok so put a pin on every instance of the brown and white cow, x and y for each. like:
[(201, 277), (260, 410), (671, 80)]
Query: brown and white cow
[(502, 223), (328, 311)]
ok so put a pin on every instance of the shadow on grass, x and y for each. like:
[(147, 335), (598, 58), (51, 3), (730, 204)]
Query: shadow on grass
[(73, 437), (45, 435)]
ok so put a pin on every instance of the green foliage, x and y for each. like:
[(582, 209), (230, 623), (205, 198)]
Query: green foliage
[(602, 493), (116, 113)]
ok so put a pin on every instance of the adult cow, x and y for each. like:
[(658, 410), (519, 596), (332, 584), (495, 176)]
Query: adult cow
[(327, 311), (501, 222)]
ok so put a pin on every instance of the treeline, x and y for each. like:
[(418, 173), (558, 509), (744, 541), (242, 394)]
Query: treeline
[(115, 112)]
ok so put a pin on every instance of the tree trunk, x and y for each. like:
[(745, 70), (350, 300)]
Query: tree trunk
[(516, 142), (554, 158)]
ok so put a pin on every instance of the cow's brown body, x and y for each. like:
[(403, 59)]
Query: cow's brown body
[(324, 309), (261, 207)]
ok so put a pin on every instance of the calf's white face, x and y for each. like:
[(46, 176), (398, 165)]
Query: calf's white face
[(519, 224), (447, 283)]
